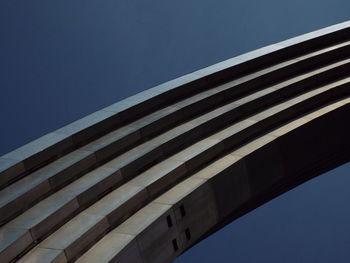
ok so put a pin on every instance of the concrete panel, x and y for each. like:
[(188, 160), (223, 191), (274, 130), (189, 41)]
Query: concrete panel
[(216, 167), (41, 149), (114, 143), (196, 213), (194, 207), (159, 121), (76, 235), (92, 185), (218, 118), (140, 164), (9, 170), (20, 195), (43, 255), (136, 160), (12, 242), (264, 167), (236, 133), (326, 109), (186, 103), (180, 191), (90, 126), (155, 242), (120, 204), (231, 187), (308, 141), (284, 129), (254, 96), (253, 145), (161, 176), (213, 99), (142, 219), (70, 166), (114, 247), (199, 153), (138, 105), (44, 216), (181, 87), (180, 137), (330, 34), (154, 235), (185, 81)]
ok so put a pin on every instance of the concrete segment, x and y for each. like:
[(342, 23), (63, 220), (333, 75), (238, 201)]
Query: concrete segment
[(199, 153), (43, 217), (12, 242), (26, 191), (120, 203), (9, 169), (153, 234), (114, 247), (160, 176), (45, 143), (92, 185), (195, 214), (88, 127), (43, 255), (231, 187), (20, 195), (73, 237), (113, 143)]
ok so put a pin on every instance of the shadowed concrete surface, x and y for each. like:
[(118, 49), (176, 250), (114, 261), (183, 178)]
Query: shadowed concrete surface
[(318, 235), (148, 177)]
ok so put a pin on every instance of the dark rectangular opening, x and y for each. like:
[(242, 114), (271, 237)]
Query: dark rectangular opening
[(182, 211), (188, 234), (170, 222), (176, 247)]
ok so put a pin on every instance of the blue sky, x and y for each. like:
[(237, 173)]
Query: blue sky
[(61, 60)]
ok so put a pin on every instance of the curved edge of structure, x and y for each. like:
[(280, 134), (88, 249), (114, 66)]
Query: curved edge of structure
[(57, 143), (159, 171), (229, 188)]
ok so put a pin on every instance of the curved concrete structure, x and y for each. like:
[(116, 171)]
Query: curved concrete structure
[(148, 177)]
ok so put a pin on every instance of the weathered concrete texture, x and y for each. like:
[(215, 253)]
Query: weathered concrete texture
[(13, 242), (231, 170), (211, 195), (146, 178), (299, 135), (72, 237), (115, 247), (45, 255)]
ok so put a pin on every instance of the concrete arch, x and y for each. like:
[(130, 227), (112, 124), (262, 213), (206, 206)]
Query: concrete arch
[(146, 178)]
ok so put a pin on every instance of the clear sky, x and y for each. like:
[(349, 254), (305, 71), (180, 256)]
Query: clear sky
[(61, 60)]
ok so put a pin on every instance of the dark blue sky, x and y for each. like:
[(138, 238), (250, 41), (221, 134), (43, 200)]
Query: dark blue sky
[(61, 60)]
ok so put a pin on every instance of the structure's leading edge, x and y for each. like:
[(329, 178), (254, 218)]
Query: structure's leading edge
[(148, 177)]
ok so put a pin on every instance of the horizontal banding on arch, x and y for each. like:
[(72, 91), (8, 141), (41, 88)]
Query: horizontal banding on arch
[(229, 187), (201, 152), (67, 202), (34, 155)]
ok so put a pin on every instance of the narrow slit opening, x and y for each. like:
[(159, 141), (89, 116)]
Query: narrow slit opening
[(182, 211), (169, 221), (188, 234), (176, 247)]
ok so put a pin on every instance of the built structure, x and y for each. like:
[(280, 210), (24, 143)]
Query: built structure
[(148, 177)]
